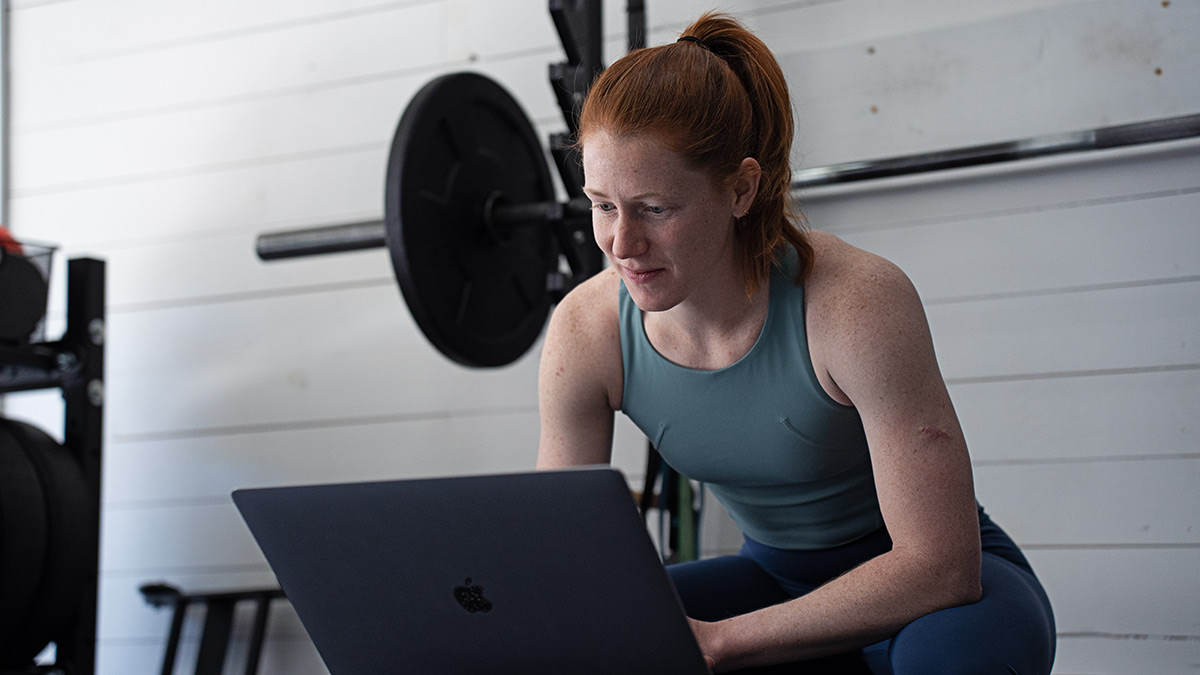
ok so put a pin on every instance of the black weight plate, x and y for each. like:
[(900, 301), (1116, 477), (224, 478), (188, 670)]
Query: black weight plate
[(71, 534), (23, 292), (22, 538), (479, 295)]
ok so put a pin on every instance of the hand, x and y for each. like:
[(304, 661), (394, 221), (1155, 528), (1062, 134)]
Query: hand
[(705, 633)]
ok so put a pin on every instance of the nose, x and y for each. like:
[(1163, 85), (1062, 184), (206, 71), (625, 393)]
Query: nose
[(625, 238)]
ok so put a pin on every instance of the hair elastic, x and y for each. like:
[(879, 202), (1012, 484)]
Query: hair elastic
[(691, 38)]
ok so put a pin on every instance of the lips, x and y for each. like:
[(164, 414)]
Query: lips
[(640, 276)]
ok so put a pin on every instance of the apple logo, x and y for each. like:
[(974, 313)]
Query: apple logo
[(470, 596)]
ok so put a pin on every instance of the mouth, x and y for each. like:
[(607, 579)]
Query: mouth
[(640, 276)]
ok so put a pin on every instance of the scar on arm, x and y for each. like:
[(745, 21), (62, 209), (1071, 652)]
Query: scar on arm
[(935, 432)]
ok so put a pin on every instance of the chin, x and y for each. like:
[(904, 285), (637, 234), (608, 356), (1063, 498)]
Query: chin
[(651, 302)]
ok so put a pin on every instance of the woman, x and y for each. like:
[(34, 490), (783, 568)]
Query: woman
[(791, 372)]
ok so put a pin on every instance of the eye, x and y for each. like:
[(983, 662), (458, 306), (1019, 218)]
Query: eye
[(603, 207), (656, 210)]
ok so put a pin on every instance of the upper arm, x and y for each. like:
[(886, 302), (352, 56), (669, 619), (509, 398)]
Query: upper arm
[(579, 377), (879, 352)]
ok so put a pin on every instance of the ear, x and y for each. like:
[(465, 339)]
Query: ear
[(745, 185)]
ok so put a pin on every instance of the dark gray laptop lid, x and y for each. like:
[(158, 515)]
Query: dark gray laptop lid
[(547, 572)]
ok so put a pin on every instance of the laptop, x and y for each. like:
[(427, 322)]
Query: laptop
[(546, 572)]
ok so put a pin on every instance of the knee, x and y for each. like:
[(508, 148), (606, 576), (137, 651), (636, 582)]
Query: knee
[(1009, 632)]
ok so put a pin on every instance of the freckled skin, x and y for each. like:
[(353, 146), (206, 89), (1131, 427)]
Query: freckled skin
[(666, 227), (870, 347)]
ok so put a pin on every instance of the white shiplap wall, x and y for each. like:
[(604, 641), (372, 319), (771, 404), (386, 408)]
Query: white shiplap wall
[(164, 136)]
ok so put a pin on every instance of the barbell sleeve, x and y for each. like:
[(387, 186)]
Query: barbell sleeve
[(321, 240), (373, 234), (508, 216)]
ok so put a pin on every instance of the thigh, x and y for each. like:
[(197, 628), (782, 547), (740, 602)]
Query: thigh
[(718, 588), (1009, 631)]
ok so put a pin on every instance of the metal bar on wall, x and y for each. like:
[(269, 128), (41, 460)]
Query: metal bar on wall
[(1138, 133)]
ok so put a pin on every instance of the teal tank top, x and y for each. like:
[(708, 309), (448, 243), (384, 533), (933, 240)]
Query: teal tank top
[(789, 463)]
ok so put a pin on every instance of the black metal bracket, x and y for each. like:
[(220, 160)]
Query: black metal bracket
[(581, 30)]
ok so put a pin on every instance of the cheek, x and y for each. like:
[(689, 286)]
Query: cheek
[(602, 234)]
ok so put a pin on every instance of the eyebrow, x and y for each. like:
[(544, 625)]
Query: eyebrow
[(592, 192)]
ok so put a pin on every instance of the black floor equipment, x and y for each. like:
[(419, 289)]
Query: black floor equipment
[(50, 492)]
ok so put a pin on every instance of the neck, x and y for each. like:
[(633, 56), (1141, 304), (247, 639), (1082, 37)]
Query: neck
[(712, 334)]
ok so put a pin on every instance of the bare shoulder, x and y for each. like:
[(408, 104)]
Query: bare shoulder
[(583, 342), (844, 275), (580, 376), (861, 311)]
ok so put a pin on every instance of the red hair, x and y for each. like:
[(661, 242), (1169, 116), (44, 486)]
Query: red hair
[(716, 99)]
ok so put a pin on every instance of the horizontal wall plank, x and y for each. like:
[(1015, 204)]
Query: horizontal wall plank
[(259, 364), (208, 469), (241, 132), (1102, 63), (179, 540), (1121, 591), (787, 25), (342, 187), (290, 126), (1031, 422), (254, 65), (291, 360), (180, 273), (72, 32), (1137, 327), (1146, 502), (1126, 654), (1034, 252)]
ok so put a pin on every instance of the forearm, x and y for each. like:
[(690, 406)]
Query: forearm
[(867, 604)]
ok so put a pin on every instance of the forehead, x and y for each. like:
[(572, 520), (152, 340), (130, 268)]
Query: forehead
[(629, 165)]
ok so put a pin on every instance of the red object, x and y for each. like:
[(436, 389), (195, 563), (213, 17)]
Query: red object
[(8, 243)]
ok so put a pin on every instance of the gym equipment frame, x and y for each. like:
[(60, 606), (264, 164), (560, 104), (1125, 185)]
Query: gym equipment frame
[(74, 364)]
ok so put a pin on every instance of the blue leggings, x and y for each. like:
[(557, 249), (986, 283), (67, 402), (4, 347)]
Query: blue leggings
[(1009, 631)]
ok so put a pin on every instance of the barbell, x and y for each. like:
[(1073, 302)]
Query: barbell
[(479, 244)]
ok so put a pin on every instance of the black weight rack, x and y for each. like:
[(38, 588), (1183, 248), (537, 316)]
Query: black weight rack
[(74, 364), (218, 624)]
